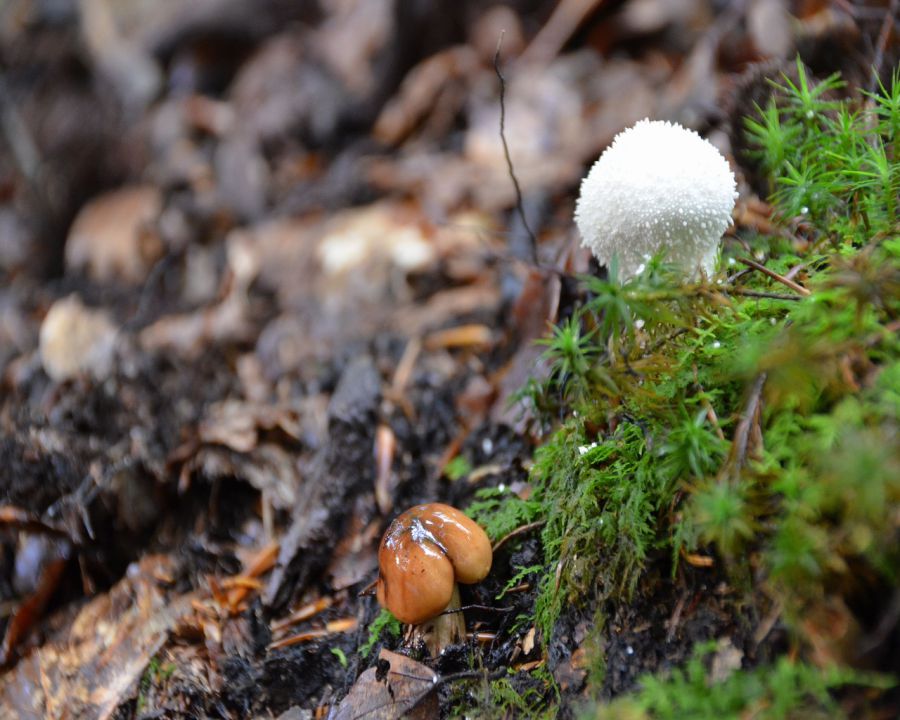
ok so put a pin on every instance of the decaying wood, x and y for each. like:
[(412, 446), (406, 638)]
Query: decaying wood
[(342, 468)]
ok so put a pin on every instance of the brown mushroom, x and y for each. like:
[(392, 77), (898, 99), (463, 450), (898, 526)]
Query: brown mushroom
[(423, 554)]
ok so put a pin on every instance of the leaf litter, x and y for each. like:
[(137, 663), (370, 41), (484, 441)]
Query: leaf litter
[(289, 226)]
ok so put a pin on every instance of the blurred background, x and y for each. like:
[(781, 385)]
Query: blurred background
[(234, 111), (209, 209)]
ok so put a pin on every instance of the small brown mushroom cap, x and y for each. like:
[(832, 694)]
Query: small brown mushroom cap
[(415, 581), (424, 552), (465, 543)]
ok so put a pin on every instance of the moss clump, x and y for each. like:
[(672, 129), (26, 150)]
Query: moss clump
[(522, 694), (755, 418), (782, 690), (383, 624)]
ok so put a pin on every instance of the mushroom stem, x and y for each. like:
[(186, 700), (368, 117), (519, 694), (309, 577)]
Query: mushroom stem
[(445, 629)]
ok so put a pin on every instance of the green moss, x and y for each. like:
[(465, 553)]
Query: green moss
[(744, 417), (782, 690), (457, 468), (385, 623), (526, 695)]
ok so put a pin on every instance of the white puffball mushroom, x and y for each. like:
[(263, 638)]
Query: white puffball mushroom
[(658, 188)]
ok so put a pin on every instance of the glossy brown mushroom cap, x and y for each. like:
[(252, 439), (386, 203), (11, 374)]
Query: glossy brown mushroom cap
[(415, 579), (465, 543), (424, 552)]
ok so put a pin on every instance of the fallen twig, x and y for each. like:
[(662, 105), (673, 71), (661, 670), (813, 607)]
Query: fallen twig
[(509, 165), (749, 417), (775, 276), (766, 295), (518, 531)]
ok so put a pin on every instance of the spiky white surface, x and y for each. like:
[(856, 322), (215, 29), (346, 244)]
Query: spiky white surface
[(657, 188)]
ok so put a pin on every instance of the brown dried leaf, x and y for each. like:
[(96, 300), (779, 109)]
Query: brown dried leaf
[(112, 238), (644, 17), (558, 118), (96, 664), (405, 690), (421, 90), (268, 467), (129, 67), (445, 305), (236, 424), (769, 27), (352, 275), (833, 632), (351, 37), (75, 339), (190, 333), (52, 563)]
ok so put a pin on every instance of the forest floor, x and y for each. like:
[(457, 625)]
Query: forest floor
[(265, 284)]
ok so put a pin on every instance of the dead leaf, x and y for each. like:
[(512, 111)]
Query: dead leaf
[(403, 689), (75, 339), (769, 26), (571, 672), (652, 16), (131, 69), (564, 21), (54, 554), (190, 333), (112, 238), (833, 632), (268, 467), (426, 84), (351, 37), (463, 336), (354, 274), (528, 640), (93, 667), (236, 424)]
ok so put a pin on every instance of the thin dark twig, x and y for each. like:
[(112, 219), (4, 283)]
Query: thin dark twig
[(676, 616), (885, 626), (433, 678), (518, 531), (663, 340), (509, 164), (769, 295), (368, 589), (742, 434), (487, 608), (145, 298), (472, 675), (796, 287)]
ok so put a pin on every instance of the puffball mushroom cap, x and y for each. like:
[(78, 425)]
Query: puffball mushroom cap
[(423, 554), (658, 188)]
